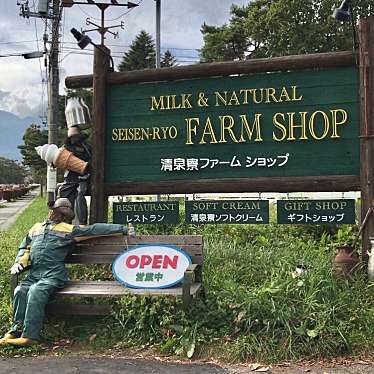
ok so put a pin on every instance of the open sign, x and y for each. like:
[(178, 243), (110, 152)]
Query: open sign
[(151, 266)]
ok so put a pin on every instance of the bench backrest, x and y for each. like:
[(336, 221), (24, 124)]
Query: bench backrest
[(103, 250)]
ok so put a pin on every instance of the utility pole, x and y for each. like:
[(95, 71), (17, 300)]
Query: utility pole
[(53, 94), (101, 69), (158, 47), (158, 34), (45, 11)]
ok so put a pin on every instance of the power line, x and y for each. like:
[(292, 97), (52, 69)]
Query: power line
[(22, 41), (108, 45), (128, 46), (83, 53)]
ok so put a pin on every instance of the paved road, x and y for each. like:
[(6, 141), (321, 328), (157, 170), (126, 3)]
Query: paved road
[(11, 210), (91, 365)]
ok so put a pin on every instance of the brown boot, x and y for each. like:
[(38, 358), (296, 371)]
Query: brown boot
[(6, 337), (22, 342)]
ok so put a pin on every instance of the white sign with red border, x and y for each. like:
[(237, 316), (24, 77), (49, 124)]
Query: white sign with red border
[(154, 265)]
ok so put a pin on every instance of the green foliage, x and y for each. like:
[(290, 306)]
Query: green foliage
[(33, 137), (11, 172), (269, 28), (141, 55), (256, 302), (168, 60), (9, 242), (257, 307)]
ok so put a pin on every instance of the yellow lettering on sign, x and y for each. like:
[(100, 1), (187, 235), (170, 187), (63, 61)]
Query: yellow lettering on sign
[(227, 123), (227, 130), (157, 105), (208, 130), (256, 126), (317, 125), (338, 121)]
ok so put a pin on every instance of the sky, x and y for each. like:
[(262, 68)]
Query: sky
[(23, 82)]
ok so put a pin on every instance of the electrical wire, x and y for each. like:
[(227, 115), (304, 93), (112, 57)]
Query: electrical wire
[(43, 81), (88, 53), (42, 102), (121, 53), (21, 41), (128, 46)]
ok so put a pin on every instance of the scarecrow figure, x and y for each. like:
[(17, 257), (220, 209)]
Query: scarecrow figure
[(74, 157), (43, 251), (76, 184)]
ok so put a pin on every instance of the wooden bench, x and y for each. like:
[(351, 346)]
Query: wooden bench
[(103, 250)]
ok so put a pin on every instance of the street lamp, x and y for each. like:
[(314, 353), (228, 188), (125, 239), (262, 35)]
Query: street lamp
[(26, 55), (84, 40), (345, 13)]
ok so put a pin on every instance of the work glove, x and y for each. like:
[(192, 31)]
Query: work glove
[(16, 268)]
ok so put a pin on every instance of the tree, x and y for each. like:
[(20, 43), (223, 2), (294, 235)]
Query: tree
[(11, 172), (168, 60), (269, 28), (141, 55), (32, 138)]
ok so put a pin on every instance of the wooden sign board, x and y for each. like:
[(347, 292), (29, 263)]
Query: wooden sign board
[(151, 212), (287, 124), (227, 211), (316, 212)]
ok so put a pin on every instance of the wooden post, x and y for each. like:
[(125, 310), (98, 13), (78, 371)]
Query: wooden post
[(99, 201), (366, 37)]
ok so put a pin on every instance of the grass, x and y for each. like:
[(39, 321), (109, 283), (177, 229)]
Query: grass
[(9, 242), (256, 307)]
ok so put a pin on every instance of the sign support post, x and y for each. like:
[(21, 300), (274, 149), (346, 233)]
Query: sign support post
[(366, 37), (99, 201)]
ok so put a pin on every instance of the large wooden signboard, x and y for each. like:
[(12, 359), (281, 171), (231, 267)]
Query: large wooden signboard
[(287, 124), (282, 125)]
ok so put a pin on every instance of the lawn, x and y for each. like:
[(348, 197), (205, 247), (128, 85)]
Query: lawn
[(256, 307)]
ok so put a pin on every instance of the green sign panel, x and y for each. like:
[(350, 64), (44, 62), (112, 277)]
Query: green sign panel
[(262, 125), (317, 212), (159, 212), (227, 211)]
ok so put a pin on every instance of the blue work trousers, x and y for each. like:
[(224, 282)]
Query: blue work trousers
[(29, 308)]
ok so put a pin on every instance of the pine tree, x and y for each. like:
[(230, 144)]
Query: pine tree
[(33, 137), (141, 55), (168, 60)]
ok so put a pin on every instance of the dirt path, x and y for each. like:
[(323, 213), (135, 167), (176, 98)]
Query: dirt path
[(11, 210), (108, 365)]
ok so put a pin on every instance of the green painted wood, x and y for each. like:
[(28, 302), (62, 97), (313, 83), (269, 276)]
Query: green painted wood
[(317, 212), (151, 212), (227, 211), (325, 93)]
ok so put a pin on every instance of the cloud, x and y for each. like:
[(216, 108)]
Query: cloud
[(21, 89), (19, 103)]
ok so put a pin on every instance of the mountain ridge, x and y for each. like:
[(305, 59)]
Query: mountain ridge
[(12, 128)]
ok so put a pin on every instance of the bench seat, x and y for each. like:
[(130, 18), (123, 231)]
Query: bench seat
[(114, 288), (104, 250)]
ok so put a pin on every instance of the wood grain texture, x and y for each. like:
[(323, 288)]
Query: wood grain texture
[(273, 184), (99, 203), (287, 63), (114, 288), (366, 32)]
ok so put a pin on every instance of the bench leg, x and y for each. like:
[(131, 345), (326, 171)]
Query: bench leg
[(186, 289)]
